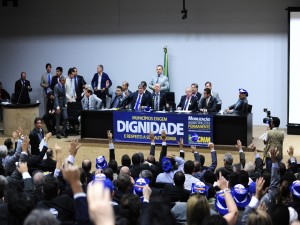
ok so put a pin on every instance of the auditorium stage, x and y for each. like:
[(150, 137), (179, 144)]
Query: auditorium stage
[(91, 149)]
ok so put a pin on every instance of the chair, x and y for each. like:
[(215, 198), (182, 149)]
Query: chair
[(249, 108), (170, 98)]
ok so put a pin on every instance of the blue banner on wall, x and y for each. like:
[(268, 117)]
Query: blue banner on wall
[(195, 129)]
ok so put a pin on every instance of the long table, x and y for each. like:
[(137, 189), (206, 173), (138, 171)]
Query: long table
[(226, 128)]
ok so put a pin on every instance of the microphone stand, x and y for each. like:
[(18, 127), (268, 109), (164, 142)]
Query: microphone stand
[(20, 93)]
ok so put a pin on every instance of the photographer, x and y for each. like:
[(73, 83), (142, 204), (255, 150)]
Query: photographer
[(274, 139)]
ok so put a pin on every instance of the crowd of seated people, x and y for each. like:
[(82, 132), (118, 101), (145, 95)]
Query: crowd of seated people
[(158, 188)]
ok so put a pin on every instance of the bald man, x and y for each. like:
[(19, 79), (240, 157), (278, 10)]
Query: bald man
[(188, 102)]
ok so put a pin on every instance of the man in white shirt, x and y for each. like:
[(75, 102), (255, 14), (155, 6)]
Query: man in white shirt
[(70, 86), (189, 168)]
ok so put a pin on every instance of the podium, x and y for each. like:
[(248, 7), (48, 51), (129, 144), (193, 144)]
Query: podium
[(23, 116)]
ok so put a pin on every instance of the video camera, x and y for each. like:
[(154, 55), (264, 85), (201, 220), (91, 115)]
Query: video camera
[(268, 119)]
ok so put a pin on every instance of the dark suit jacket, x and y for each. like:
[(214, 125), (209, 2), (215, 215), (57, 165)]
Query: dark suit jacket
[(35, 141), (60, 98), (175, 194), (162, 100), (212, 104), (104, 78), (4, 95), (198, 96), (33, 160), (242, 106), (146, 100), (193, 103), (79, 84), (128, 99), (63, 204), (54, 82), (47, 165), (120, 104), (22, 91)]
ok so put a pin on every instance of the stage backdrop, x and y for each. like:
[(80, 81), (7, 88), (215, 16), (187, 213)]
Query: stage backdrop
[(136, 126)]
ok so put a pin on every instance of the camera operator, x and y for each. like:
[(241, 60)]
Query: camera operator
[(274, 139)]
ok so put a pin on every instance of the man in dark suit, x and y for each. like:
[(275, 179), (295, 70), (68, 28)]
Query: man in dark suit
[(242, 104), (176, 192), (117, 100), (48, 164), (22, 89), (55, 79), (49, 117), (100, 82), (60, 102), (195, 92), (144, 84), (187, 101), (36, 135), (127, 94), (79, 84), (158, 98), (208, 103), (140, 99)]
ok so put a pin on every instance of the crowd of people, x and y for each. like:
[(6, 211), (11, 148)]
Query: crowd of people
[(159, 188), (65, 96)]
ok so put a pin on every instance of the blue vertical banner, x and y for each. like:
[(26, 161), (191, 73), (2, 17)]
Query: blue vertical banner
[(195, 129)]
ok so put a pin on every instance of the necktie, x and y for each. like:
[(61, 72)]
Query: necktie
[(138, 102), (157, 79), (207, 102), (156, 103), (186, 104), (76, 82), (49, 79), (116, 103), (63, 89), (88, 103), (40, 135)]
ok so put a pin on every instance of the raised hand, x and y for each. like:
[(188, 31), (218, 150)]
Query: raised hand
[(211, 145), (238, 145), (223, 183), (147, 192), (290, 151), (22, 168), (109, 136), (152, 137), (71, 173), (193, 148), (99, 202), (74, 146), (259, 188), (57, 149), (25, 144), (180, 143), (48, 135), (163, 136)]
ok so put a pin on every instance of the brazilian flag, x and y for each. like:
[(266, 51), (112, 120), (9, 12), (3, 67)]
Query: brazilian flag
[(166, 62)]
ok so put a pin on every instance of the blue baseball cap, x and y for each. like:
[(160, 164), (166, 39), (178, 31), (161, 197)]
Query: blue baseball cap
[(199, 188), (101, 162), (139, 185), (102, 178), (295, 188), (252, 188), (166, 164), (241, 196), (243, 91), (220, 203)]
